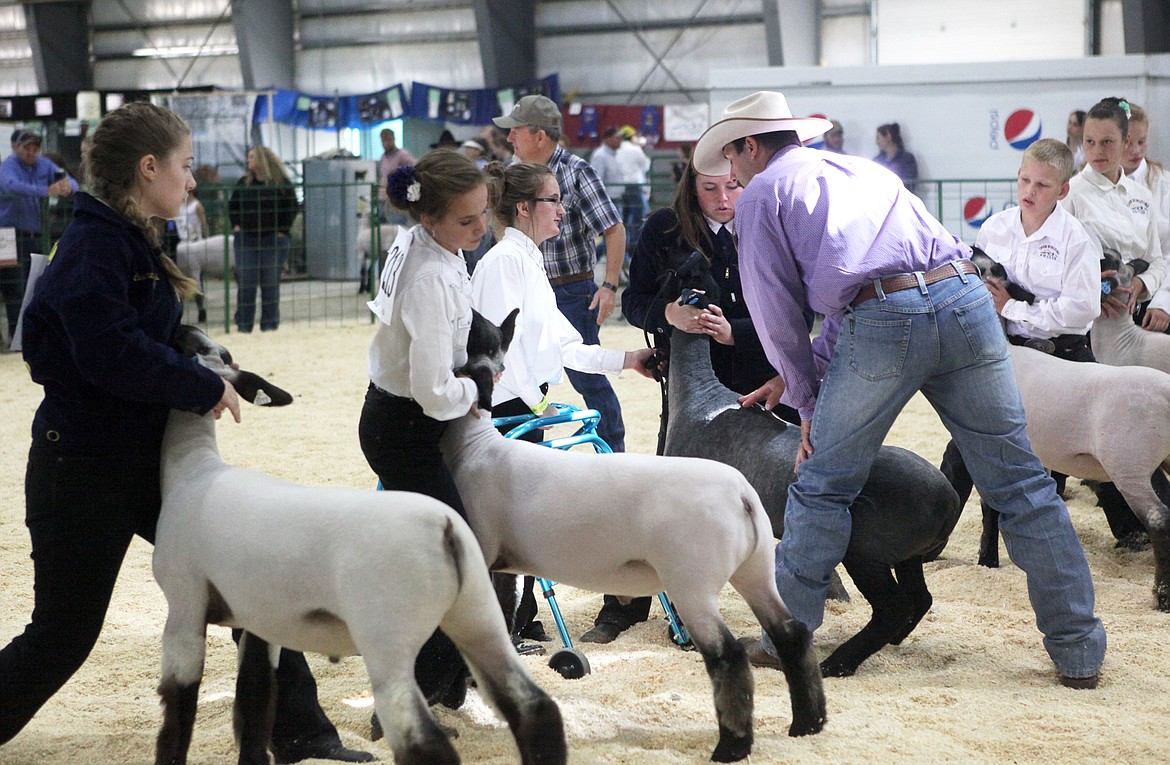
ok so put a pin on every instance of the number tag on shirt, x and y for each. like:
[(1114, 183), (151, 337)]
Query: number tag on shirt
[(383, 303)]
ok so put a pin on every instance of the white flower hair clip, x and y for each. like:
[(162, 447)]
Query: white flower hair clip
[(414, 192)]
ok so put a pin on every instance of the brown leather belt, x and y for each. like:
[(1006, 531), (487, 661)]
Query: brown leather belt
[(906, 281), (560, 281)]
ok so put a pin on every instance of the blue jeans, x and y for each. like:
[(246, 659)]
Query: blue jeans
[(944, 340), (573, 301), (259, 261)]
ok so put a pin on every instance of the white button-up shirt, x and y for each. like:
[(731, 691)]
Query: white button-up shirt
[(1060, 264), (1122, 217), (511, 275), (414, 355), (1154, 179)]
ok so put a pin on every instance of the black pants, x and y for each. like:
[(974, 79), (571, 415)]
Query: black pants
[(402, 446), (82, 512)]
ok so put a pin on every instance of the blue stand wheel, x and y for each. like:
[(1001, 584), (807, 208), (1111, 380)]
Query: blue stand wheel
[(570, 663)]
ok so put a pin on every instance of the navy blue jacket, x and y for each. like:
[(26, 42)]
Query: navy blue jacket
[(742, 367), (96, 334)]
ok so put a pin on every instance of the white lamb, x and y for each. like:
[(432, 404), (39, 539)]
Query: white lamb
[(1077, 428), (336, 571), (205, 257), (635, 525)]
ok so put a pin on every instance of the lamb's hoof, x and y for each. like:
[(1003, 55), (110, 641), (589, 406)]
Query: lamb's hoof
[(830, 668), (1080, 683), (808, 727), (1137, 541), (319, 748), (731, 748)]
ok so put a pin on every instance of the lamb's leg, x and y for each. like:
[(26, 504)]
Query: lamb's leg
[(729, 670), (414, 736), (954, 469), (912, 580), (255, 704), (1124, 524), (892, 611), (798, 659), (1160, 541), (755, 580), (533, 717), (989, 540), (184, 644)]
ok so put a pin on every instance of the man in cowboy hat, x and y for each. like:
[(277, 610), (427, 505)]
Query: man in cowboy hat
[(904, 312)]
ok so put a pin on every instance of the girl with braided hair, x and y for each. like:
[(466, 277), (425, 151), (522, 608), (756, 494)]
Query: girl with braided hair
[(96, 336)]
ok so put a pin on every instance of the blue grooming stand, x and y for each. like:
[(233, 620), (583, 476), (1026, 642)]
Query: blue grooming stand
[(586, 433)]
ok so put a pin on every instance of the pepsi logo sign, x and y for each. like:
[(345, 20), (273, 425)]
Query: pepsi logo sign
[(976, 211), (1022, 128)]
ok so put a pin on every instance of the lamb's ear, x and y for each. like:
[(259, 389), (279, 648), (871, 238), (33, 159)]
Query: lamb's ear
[(255, 389), (507, 329)]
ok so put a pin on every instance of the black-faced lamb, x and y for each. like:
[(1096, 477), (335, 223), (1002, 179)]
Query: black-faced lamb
[(336, 571), (635, 525), (903, 516)]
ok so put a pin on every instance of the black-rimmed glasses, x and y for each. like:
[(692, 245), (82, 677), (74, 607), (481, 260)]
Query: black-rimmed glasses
[(556, 201)]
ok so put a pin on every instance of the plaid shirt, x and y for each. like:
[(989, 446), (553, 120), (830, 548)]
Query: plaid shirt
[(588, 212)]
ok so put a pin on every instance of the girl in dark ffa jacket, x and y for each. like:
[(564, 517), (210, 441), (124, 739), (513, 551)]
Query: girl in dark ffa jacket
[(262, 209), (96, 337)]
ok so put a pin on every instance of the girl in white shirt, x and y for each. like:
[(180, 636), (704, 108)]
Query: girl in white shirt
[(424, 312), (1153, 176), (526, 200), (1116, 208)]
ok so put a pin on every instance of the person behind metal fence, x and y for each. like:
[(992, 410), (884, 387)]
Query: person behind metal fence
[(26, 180), (262, 209)]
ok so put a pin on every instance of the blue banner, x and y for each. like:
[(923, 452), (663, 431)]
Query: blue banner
[(291, 107), (474, 107), (427, 102)]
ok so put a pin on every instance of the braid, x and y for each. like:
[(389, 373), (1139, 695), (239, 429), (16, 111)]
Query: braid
[(123, 137)]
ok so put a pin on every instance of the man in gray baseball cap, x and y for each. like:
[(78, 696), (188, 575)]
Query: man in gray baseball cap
[(532, 111)]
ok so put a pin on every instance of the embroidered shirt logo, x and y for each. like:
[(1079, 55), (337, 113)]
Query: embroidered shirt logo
[(1139, 206), (1049, 252), (149, 276)]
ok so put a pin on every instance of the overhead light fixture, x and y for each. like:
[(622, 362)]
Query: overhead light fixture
[(187, 51)]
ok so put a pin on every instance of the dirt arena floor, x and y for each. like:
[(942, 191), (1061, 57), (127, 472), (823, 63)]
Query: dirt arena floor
[(971, 685)]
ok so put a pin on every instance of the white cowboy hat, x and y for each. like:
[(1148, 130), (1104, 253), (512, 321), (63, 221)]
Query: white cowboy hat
[(761, 112)]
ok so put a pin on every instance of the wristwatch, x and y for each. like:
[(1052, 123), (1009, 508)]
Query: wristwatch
[(609, 286)]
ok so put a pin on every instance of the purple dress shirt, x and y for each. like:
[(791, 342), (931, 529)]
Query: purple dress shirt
[(814, 227)]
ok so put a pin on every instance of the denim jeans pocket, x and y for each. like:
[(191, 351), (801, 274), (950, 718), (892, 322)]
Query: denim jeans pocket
[(877, 349), (982, 326)]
